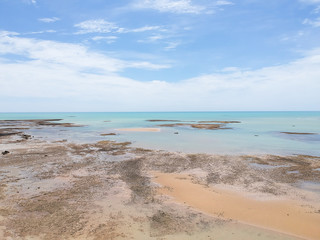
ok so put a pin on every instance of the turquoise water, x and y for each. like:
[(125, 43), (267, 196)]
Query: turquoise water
[(258, 132)]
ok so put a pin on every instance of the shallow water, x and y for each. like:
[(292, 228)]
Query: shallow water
[(310, 186), (258, 132)]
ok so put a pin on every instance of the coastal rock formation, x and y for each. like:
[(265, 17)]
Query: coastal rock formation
[(108, 134), (109, 190), (199, 126)]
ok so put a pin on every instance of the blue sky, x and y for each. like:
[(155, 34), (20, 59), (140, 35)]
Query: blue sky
[(164, 55)]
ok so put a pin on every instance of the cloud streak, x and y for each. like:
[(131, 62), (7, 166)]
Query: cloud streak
[(49, 20), (96, 26), (313, 23), (103, 26), (171, 6), (107, 39)]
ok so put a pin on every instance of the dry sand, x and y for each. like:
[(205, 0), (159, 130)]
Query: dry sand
[(281, 215)]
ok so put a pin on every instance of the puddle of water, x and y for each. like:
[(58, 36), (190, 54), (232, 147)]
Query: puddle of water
[(264, 166), (293, 172), (310, 186)]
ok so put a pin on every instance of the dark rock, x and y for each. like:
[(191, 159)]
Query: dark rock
[(5, 152), (108, 134), (26, 136), (299, 133)]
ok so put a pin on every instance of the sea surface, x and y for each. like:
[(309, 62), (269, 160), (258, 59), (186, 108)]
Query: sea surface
[(257, 132)]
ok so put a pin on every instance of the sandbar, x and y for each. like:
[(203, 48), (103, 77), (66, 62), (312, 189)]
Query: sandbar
[(285, 216), (139, 129)]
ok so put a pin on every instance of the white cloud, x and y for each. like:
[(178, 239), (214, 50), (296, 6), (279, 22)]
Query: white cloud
[(40, 32), (231, 69), (49, 20), (146, 28), (292, 37), (8, 34), (314, 23), (172, 6), (152, 39), (172, 45), (69, 77), (147, 65), (96, 26), (316, 10), (141, 29), (75, 56), (223, 3), (34, 2), (103, 26), (107, 39)]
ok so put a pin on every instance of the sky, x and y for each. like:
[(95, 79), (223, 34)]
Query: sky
[(159, 55)]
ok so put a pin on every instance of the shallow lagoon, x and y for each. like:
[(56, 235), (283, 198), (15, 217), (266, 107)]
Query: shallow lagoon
[(258, 132)]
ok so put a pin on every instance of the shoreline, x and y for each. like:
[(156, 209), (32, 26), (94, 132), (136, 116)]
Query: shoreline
[(105, 190)]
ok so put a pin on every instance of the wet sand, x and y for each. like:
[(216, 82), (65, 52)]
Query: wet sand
[(280, 215), (139, 129)]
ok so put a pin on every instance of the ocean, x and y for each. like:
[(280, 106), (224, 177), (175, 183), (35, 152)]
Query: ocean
[(257, 132)]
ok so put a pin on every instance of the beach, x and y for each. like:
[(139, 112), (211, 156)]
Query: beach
[(110, 189)]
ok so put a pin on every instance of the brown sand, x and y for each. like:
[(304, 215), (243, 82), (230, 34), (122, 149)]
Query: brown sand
[(280, 215), (139, 129)]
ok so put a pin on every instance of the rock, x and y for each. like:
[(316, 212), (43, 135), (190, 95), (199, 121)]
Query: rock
[(5, 152), (299, 133), (26, 136), (108, 134), (176, 133)]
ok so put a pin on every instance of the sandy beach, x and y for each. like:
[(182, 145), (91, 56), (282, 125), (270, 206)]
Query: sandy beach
[(287, 216), (110, 190)]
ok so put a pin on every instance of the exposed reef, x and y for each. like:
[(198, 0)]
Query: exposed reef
[(108, 134), (209, 125), (38, 122), (105, 190), (199, 126), (299, 133)]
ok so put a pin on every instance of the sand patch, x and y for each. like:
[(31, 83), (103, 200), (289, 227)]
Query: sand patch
[(280, 215), (139, 129)]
